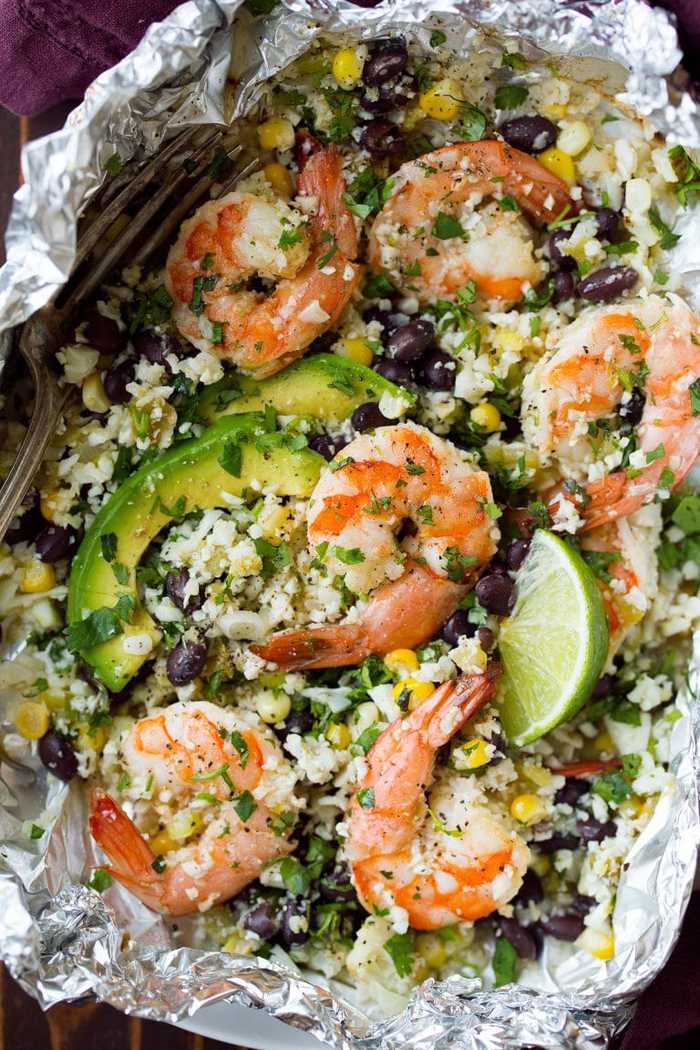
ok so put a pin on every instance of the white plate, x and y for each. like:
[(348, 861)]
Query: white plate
[(230, 1023)]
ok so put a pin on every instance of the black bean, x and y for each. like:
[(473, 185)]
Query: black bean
[(604, 686), (608, 223), (56, 542), (299, 722), (375, 313), (57, 754), (631, 411), (563, 927), (531, 134), (556, 842), (104, 334), (437, 370), (517, 553), (521, 939), (531, 889), (486, 638), (368, 416), (326, 446), (28, 522), (262, 920), (411, 340), (382, 138), (394, 371), (337, 885), (185, 661), (558, 258), (322, 344), (387, 98), (572, 791), (457, 626), (154, 346), (564, 286), (388, 61), (294, 909), (116, 381), (607, 283), (582, 904), (496, 592), (592, 830), (175, 583)]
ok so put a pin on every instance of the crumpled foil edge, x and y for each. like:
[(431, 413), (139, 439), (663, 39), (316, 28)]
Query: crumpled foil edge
[(61, 940)]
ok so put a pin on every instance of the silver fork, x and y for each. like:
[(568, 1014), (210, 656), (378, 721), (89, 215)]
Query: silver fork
[(47, 330)]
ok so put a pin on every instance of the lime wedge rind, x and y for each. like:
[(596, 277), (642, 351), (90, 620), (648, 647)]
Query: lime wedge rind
[(555, 643)]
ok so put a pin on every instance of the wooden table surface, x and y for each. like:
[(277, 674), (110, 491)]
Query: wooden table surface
[(23, 1026)]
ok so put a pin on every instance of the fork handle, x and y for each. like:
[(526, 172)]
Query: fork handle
[(49, 402)]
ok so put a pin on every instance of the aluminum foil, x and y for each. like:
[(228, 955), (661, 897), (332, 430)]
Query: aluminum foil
[(63, 941)]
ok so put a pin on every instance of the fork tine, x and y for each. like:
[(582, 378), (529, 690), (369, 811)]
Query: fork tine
[(188, 202), (110, 258)]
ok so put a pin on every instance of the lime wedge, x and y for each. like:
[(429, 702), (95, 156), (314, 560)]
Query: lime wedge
[(554, 644)]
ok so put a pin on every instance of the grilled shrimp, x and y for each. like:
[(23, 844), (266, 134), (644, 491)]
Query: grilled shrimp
[(402, 856), (611, 356), (229, 241), (197, 755), (457, 214), (400, 478)]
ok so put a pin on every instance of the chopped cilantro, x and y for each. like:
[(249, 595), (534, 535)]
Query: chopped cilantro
[(365, 797), (239, 742), (108, 545), (471, 125), (274, 558), (100, 880), (400, 949), (348, 555), (231, 458), (504, 962), (99, 626), (668, 237), (288, 239), (446, 227), (245, 805), (694, 391), (510, 96), (437, 37)]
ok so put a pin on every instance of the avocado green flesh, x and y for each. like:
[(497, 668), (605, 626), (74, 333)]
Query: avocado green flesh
[(137, 512), (325, 386)]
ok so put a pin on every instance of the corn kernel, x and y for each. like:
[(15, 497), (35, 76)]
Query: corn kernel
[(48, 504), (574, 138), (416, 692), (474, 754), (32, 719), (554, 110), (238, 944), (347, 67), (443, 101), (338, 735), (538, 775), (559, 163), (273, 707), (412, 117), (401, 660), (541, 864), (357, 350), (528, 809), (163, 842), (631, 807), (91, 738), (55, 699), (183, 825), (603, 742), (94, 397), (276, 133), (486, 416), (37, 578), (601, 945), (432, 950), (507, 340), (279, 178)]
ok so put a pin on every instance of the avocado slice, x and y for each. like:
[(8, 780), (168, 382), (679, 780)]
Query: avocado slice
[(188, 477), (325, 386)]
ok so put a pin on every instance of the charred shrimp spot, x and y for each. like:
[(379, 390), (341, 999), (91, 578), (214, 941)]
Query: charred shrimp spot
[(382, 138), (262, 921), (496, 592), (185, 661), (559, 259), (395, 371), (57, 754), (175, 585), (408, 343), (563, 927), (458, 626), (572, 791), (437, 370), (368, 417), (388, 60), (532, 134), (116, 381), (516, 554), (103, 333), (56, 542)]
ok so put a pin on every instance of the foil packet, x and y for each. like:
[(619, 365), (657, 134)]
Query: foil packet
[(61, 940)]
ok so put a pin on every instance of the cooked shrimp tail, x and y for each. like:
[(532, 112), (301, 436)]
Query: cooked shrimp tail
[(130, 855), (404, 613)]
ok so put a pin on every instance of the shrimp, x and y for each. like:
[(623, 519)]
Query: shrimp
[(401, 477), (439, 875), (456, 215), (230, 240), (607, 360), (200, 756)]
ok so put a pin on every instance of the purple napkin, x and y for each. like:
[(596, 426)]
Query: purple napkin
[(50, 50)]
